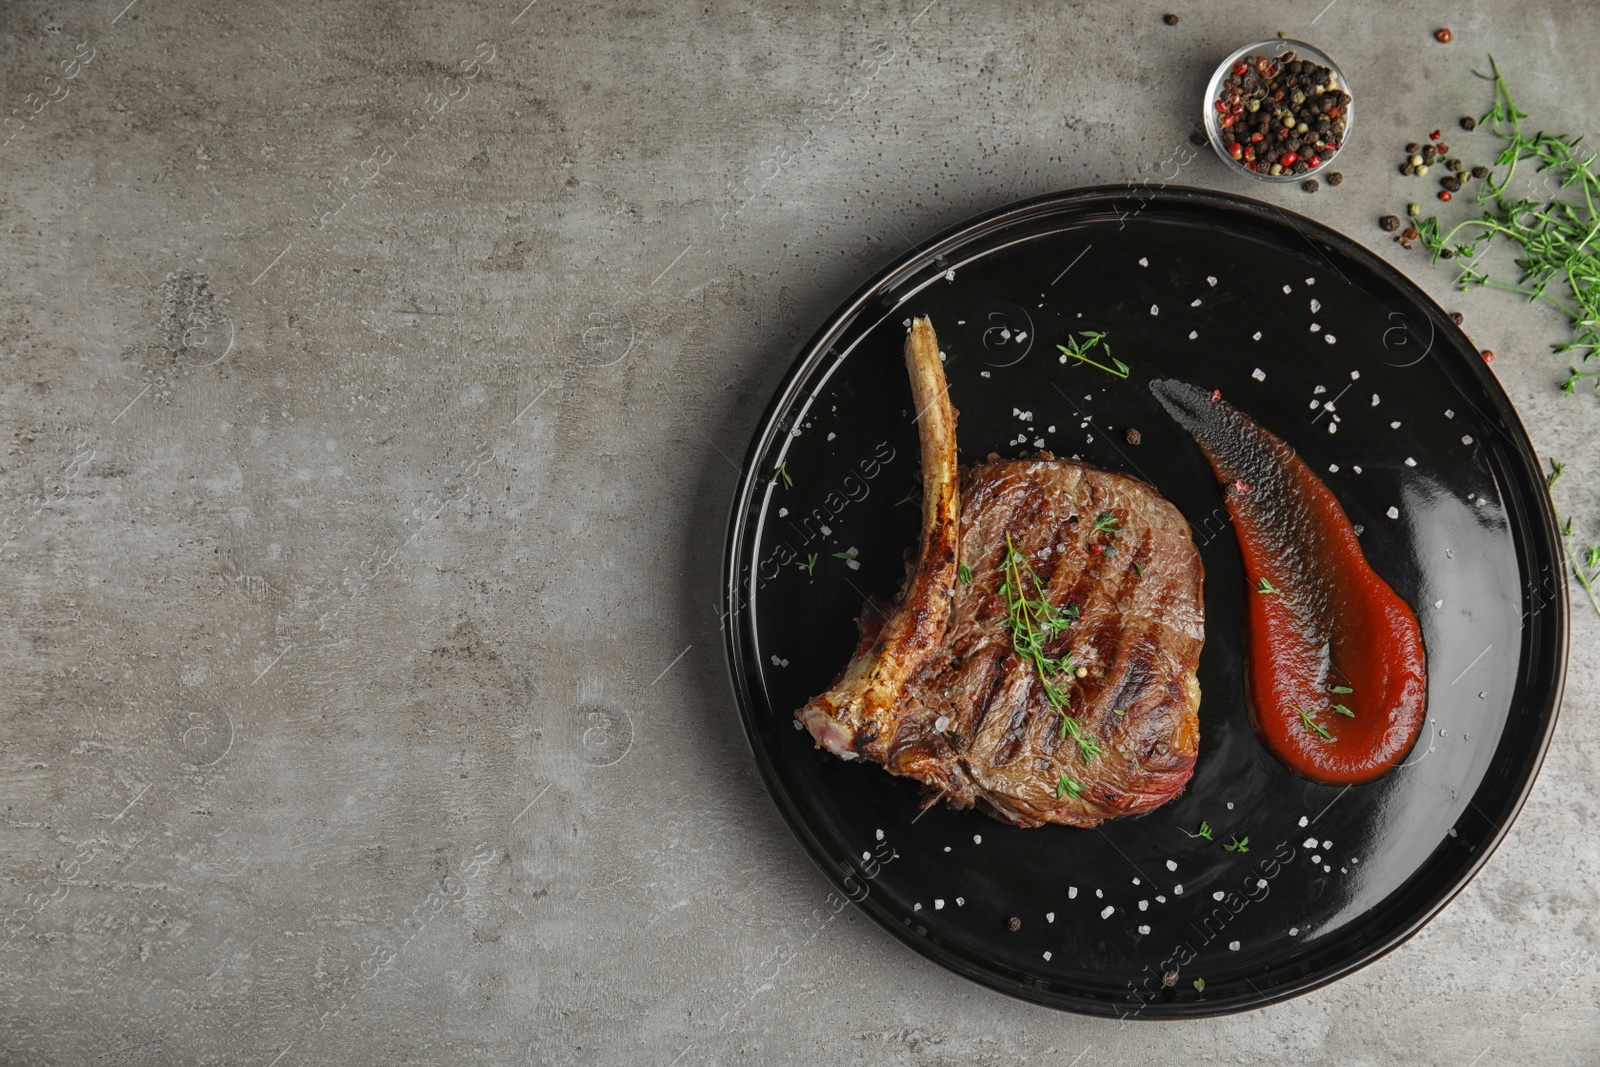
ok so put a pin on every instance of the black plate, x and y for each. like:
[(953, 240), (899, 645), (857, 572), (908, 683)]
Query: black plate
[(1333, 877)]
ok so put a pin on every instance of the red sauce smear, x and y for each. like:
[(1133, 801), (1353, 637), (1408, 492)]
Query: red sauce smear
[(1327, 635)]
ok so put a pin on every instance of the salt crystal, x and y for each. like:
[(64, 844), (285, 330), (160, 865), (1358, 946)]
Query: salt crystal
[(1287, 289), (1259, 375), (1160, 898), (1327, 844), (1233, 946), (1143, 262), (1330, 338), (1193, 335), (1374, 399), (1210, 280), (1047, 955), (1316, 306), (1393, 513), (1333, 427), (1172, 865), (1394, 425), (1177, 890), (1144, 905), (1072, 892), (1107, 912), (1218, 895), (1316, 327), (1195, 303), (880, 835), (938, 905), (1049, 916), (1256, 336), (1144, 929), (1410, 462), (1356, 469), (1309, 842), (1155, 309), (1319, 390), (1294, 931), (1100, 893), (1316, 859), (1304, 820), (1311, 281), (782, 512), (1449, 414), (1466, 440), (977, 839)]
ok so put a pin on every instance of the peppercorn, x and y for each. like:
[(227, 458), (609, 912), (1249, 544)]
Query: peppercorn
[(1422, 172), (1335, 178), (1445, 253), (1170, 19), (1309, 185), (1488, 355), (1413, 148), (1411, 233), (1456, 165), (1389, 223), (1444, 194), (1451, 184), (1132, 435), (1407, 169), (1469, 123), (1013, 924), (1434, 136), (1480, 171), (1443, 35), (1412, 209), (1429, 154), (1456, 317)]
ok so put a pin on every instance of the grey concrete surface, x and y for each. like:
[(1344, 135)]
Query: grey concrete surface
[(371, 374)]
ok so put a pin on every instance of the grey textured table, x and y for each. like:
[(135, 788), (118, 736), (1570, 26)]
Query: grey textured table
[(374, 381)]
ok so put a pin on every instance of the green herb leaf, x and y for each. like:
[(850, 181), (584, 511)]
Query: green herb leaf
[(1199, 985), (1266, 587), (1105, 521), (783, 472), (1079, 347), (1033, 621), (810, 565), (1238, 844), (1119, 711), (1342, 710), (1204, 831), (1138, 570), (849, 553), (1066, 787), (963, 574), (1313, 726), (1340, 689), (1555, 473)]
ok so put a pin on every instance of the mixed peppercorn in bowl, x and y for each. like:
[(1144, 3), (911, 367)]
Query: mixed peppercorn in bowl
[(1278, 110)]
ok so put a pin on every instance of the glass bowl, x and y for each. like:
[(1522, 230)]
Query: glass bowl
[(1274, 47)]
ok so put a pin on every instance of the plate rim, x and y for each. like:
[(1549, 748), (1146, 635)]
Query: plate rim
[(1543, 534)]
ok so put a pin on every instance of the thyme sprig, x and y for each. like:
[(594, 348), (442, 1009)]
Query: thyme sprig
[(1078, 348), (1585, 562), (1312, 725), (1554, 239), (1034, 622)]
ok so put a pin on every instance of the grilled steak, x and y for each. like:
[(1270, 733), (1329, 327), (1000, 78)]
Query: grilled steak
[(1058, 683)]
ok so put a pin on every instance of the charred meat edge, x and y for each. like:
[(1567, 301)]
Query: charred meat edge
[(858, 710)]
